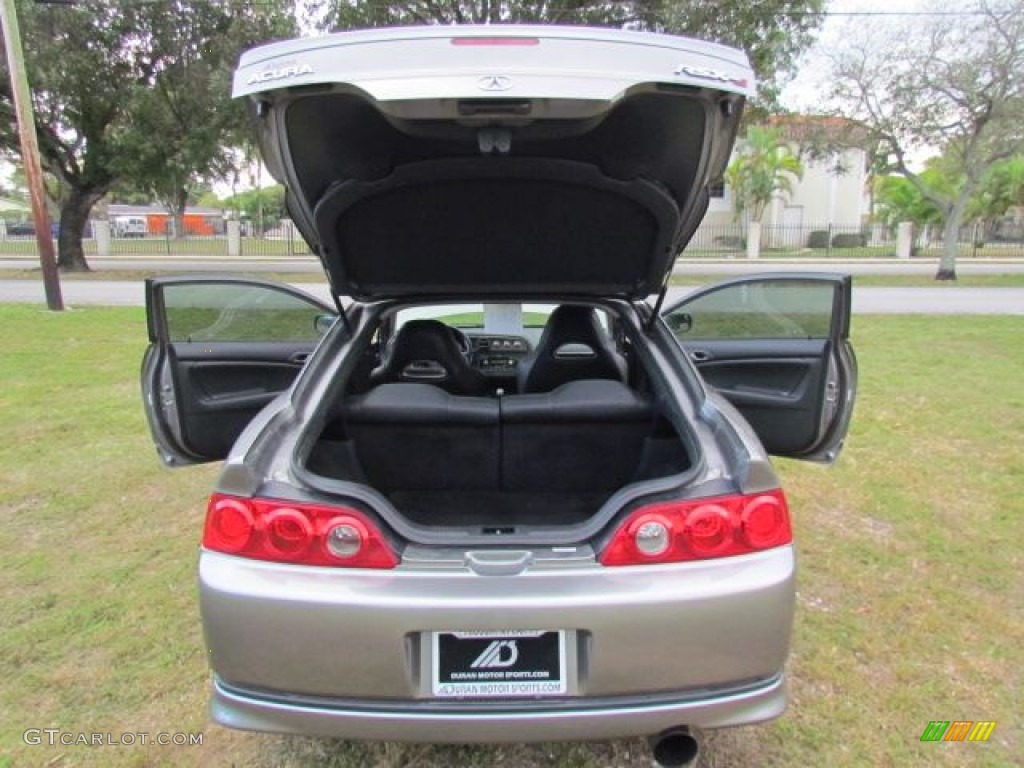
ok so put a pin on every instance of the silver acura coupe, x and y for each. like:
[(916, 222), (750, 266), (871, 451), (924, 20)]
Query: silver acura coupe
[(497, 490)]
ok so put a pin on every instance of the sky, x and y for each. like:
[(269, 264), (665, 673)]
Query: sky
[(806, 91), (803, 94)]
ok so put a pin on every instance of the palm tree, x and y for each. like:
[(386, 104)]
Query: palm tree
[(764, 167)]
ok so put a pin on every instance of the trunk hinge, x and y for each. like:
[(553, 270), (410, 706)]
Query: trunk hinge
[(335, 294), (343, 315), (656, 312)]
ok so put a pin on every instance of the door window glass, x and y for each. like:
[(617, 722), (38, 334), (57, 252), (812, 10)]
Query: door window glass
[(766, 309), (200, 312)]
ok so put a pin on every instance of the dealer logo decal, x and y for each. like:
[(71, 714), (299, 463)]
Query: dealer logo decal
[(498, 655)]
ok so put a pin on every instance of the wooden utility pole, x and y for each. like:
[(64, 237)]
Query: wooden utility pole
[(30, 152)]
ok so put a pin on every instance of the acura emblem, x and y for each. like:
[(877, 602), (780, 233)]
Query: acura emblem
[(280, 73), (494, 83)]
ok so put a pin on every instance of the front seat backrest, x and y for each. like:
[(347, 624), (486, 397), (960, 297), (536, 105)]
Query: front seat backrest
[(573, 346), (428, 352)]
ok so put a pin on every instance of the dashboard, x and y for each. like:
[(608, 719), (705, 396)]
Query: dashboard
[(498, 355)]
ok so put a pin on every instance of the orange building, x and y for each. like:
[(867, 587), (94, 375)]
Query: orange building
[(197, 221)]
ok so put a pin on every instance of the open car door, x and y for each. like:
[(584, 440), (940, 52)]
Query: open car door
[(220, 349), (777, 347)]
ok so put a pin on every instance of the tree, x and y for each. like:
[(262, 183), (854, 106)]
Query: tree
[(264, 207), (1001, 189), (950, 84), (105, 75), (898, 199), (764, 167), (189, 107), (773, 32), (14, 184)]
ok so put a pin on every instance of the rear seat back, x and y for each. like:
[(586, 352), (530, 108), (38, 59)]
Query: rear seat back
[(411, 436), (584, 436)]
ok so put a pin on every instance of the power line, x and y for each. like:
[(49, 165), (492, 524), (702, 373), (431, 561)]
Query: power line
[(897, 13), (794, 12)]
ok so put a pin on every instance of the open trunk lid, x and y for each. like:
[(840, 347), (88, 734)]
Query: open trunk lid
[(496, 160)]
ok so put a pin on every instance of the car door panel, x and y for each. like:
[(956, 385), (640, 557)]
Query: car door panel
[(220, 397), (777, 396), (795, 385), (214, 361), (763, 367)]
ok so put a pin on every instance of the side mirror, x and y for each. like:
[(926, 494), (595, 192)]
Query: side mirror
[(680, 322), (322, 323)]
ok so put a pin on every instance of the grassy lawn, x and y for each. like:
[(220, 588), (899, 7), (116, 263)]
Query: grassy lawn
[(910, 609), (1002, 280), (161, 246), (883, 251), (257, 246)]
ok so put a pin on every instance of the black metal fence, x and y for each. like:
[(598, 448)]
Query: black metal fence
[(724, 241), (279, 242), (835, 241)]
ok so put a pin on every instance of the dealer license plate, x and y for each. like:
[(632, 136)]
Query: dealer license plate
[(505, 664)]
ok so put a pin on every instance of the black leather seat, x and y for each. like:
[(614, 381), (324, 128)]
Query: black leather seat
[(417, 437), (428, 352), (585, 436), (573, 347)]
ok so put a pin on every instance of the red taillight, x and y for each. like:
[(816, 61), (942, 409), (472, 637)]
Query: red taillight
[(495, 41), (283, 532), (287, 533), (699, 529), (229, 525)]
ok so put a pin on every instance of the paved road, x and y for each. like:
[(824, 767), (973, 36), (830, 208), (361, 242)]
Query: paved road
[(301, 264), (868, 300)]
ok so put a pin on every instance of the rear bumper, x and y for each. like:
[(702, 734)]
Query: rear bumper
[(648, 647), (570, 720)]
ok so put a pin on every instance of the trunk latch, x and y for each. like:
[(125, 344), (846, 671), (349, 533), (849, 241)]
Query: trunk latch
[(501, 563)]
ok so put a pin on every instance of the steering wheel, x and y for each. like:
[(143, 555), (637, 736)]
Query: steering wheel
[(465, 345)]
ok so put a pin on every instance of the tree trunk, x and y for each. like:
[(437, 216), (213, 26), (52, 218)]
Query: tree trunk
[(178, 211), (74, 213), (951, 239)]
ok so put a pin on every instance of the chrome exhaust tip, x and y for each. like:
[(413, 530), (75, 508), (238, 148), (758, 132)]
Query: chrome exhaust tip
[(675, 748)]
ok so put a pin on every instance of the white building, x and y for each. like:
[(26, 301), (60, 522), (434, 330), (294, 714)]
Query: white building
[(833, 195)]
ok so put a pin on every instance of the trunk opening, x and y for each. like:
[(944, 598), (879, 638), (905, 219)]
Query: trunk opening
[(529, 460)]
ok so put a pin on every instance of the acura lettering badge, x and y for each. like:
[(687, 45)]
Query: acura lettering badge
[(280, 73), (494, 83), (710, 74)]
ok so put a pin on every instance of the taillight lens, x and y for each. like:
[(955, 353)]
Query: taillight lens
[(283, 532), (229, 525), (700, 529)]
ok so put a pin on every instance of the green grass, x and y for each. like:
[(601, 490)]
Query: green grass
[(884, 251), (1004, 280), (161, 246), (910, 605), (133, 275), (997, 280)]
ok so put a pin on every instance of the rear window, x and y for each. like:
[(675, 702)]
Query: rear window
[(500, 318)]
